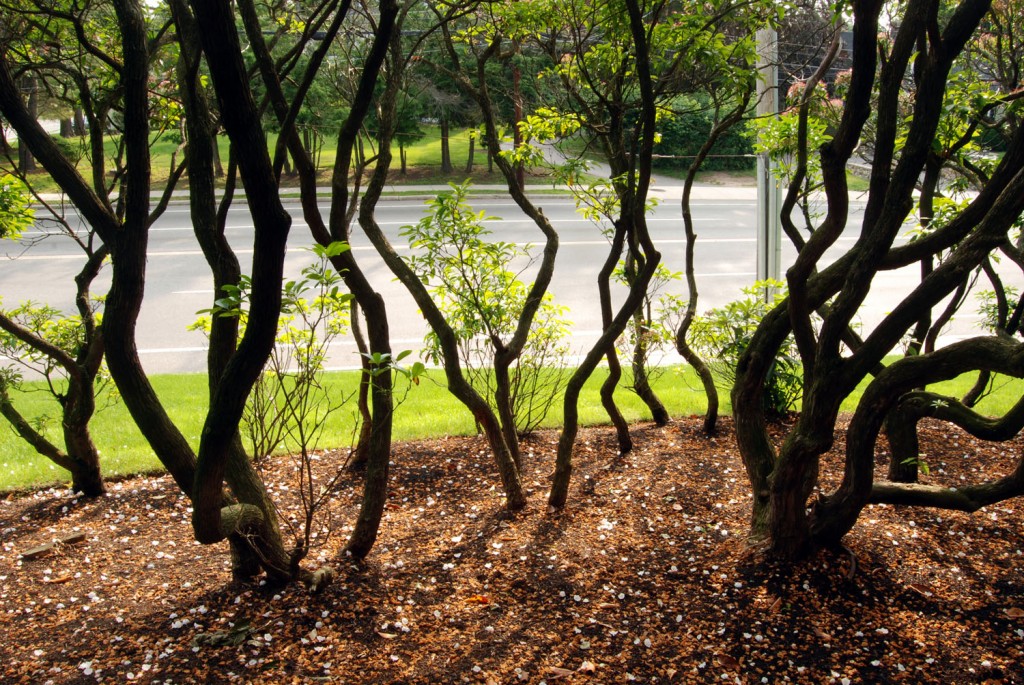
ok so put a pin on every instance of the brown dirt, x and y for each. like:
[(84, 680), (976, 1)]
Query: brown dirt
[(644, 578)]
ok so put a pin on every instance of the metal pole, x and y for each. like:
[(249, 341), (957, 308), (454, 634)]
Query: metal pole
[(769, 229)]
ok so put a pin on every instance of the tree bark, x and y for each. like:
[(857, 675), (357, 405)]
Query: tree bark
[(80, 128), (85, 475), (642, 321), (641, 375), (349, 146), (835, 515), (506, 413), (829, 372), (707, 380), (208, 221), (607, 392), (26, 161), (446, 153), (361, 451), (218, 445), (517, 118), (901, 427), (472, 152), (387, 39)]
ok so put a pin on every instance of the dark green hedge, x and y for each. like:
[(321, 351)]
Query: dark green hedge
[(683, 136)]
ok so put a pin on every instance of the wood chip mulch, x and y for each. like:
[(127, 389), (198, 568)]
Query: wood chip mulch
[(645, 578)]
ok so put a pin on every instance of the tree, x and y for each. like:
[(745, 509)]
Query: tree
[(720, 84), (921, 51), (65, 351), (482, 299), (500, 432), (247, 518), (604, 58), (620, 105), (378, 362), (409, 116)]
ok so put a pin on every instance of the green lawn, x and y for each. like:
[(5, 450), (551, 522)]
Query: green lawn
[(424, 160), (428, 410)]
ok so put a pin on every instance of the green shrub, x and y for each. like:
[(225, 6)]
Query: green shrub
[(721, 336), (683, 135)]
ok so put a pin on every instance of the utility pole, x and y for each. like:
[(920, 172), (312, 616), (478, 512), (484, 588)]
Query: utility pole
[(769, 229)]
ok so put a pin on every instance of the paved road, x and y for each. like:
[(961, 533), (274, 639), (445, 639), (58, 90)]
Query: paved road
[(179, 283)]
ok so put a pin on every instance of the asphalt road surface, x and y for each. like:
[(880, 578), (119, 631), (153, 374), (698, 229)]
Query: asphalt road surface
[(179, 283)]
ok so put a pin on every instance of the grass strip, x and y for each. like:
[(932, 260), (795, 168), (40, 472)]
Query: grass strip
[(426, 411)]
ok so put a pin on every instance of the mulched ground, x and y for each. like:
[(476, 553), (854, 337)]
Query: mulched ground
[(644, 578)]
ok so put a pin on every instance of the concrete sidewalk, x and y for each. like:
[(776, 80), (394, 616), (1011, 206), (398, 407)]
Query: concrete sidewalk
[(664, 189)]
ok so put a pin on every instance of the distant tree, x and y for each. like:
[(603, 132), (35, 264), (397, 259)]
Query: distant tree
[(409, 125)]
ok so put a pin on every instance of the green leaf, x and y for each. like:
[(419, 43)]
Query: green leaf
[(15, 213), (336, 248)]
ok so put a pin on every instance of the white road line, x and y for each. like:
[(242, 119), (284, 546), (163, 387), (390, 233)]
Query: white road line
[(710, 274), (173, 350)]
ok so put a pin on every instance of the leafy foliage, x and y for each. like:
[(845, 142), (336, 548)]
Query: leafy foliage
[(65, 332), (683, 134), (482, 299), (778, 136), (722, 335), (15, 213), (988, 308), (289, 400)]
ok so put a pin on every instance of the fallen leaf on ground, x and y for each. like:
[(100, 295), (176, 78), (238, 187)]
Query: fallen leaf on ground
[(57, 581), (728, 662), (557, 672), (147, 609)]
